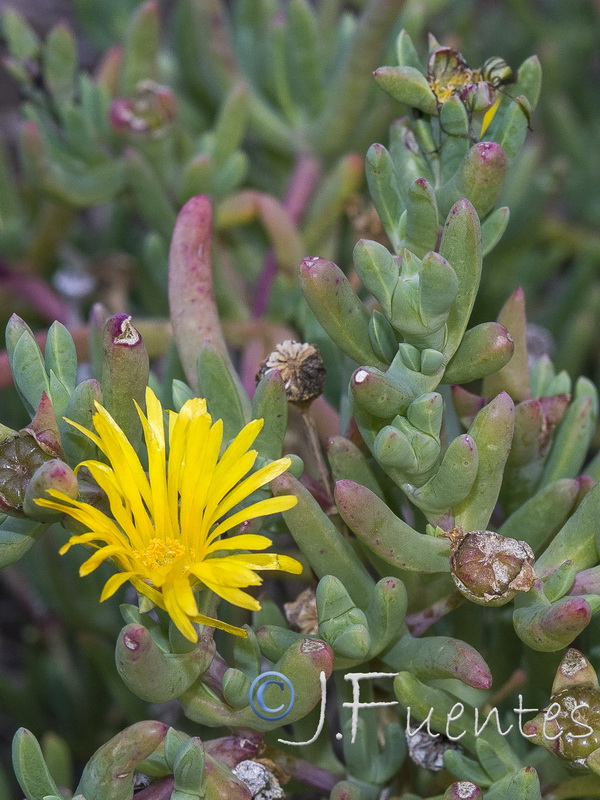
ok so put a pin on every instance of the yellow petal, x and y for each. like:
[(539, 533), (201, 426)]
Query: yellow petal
[(185, 596), (187, 444), (122, 457), (195, 478), (154, 436), (114, 583), (119, 504), (269, 561), (86, 538), (245, 541), (93, 562), (489, 116), (224, 478), (272, 505), (289, 564), (242, 442), (90, 434), (154, 415), (226, 572), (194, 407), (177, 614), (86, 514), (89, 538), (236, 597), (149, 591), (223, 482), (245, 488), (216, 623)]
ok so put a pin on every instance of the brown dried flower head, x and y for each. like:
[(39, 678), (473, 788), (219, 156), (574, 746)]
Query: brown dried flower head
[(259, 779), (301, 368), (427, 750), (488, 568), (301, 613), (365, 221)]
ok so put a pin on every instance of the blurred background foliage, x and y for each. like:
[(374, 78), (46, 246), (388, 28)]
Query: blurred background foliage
[(265, 106)]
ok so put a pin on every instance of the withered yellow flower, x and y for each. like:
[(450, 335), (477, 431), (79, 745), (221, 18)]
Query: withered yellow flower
[(165, 532)]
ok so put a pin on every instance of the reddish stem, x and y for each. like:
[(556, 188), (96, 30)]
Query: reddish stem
[(213, 677), (303, 771), (37, 293), (230, 750), (518, 679), (420, 621), (303, 181)]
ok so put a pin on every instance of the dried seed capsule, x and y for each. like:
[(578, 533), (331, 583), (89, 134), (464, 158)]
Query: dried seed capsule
[(579, 718), (570, 725), (427, 750), (301, 613), (261, 781), (301, 368), (488, 568)]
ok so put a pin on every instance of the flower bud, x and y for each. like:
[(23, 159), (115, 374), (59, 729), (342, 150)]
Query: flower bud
[(230, 750), (125, 369), (477, 96), (53, 474), (148, 112), (489, 569), (301, 369)]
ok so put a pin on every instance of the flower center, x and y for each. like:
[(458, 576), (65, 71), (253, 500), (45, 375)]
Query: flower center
[(444, 91), (160, 553)]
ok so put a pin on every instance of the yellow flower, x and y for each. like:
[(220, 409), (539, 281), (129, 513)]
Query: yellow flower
[(166, 527)]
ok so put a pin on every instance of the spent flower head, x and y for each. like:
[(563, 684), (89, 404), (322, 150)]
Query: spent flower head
[(570, 726), (488, 568), (448, 73), (165, 532), (301, 368), (149, 112)]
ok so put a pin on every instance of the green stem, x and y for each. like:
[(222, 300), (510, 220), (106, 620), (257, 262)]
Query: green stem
[(352, 82)]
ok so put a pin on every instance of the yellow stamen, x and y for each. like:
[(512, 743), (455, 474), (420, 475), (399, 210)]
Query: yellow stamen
[(159, 553), (444, 91)]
